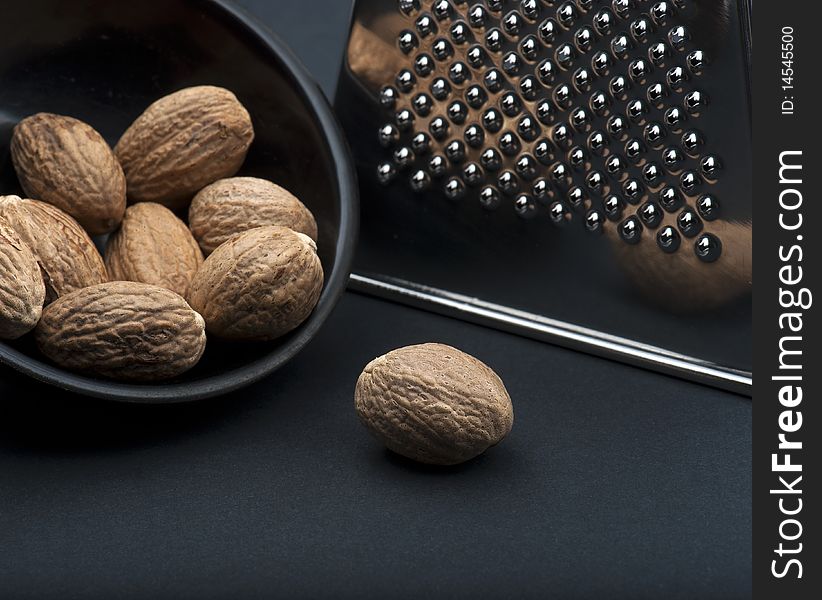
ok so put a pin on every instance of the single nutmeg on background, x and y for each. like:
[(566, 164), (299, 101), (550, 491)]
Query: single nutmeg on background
[(122, 330), (21, 285), (237, 204), (153, 246), (65, 162), (183, 142), (259, 285), (68, 258), (433, 403)]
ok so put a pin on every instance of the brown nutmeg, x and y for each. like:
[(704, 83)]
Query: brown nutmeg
[(65, 162), (21, 285), (433, 403), (153, 246), (237, 204), (68, 258), (122, 330), (259, 285), (183, 142)]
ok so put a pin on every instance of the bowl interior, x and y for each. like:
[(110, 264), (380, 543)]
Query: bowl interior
[(105, 62)]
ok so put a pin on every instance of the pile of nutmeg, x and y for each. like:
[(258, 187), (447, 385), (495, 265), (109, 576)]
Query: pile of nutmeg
[(243, 267)]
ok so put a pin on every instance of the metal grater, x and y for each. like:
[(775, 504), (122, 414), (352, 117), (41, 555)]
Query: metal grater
[(493, 123)]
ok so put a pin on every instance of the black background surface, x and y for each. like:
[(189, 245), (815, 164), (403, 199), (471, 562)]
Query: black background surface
[(614, 483)]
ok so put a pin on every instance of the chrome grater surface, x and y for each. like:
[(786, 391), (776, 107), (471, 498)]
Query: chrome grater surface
[(619, 115)]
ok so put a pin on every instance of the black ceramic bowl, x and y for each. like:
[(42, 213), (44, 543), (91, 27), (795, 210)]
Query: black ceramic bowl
[(104, 62)]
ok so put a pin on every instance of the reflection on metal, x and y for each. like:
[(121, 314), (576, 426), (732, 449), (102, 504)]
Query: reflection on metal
[(558, 332)]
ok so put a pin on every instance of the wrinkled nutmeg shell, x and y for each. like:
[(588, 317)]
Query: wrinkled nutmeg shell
[(21, 285), (122, 330), (237, 204), (259, 285), (433, 403), (65, 162), (183, 142), (68, 258), (153, 246)]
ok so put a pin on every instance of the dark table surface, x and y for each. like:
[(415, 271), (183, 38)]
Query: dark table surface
[(615, 482)]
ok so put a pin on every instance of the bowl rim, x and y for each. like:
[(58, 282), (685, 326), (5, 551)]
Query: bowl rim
[(346, 180)]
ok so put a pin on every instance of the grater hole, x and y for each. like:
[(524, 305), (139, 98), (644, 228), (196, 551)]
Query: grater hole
[(490, 198), (620, 46), (708, 207), (613, 207), (659, 54), (509, 143), (473, 174), (474, 136), (454, 188), (440, 88), (567, 14), (525, 206), (460, 33), (405, 81), (438, 127), (388, 135), (640, 29), (442, 49), (548, 31), (455, 151), (404, 119), (409, 7), (527, 167), (508, 183), (601, 63), (604, 21), (670, 199), (407, 41), (442, 10), (633, 189), (437, 165), (634, 150), (622, 7), (651, 214), (476, 96), (565, 56), (491, 159), (577, 158), (678, 36), (542, 189), (598, 142), (689, 223), (512, 23), (425, 25), (708, 248), (403, 157), (563, 96), (459, 72), (689, 181), (420, 181), (593, 221), (668, 239), (630, 230), (421, 143), (661, 12), (386, 172), (559, 213), (696, 61), (422, 104), (584, 39), (530, 9), (494, 40)]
